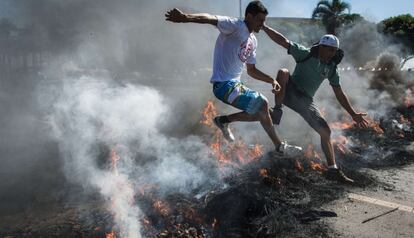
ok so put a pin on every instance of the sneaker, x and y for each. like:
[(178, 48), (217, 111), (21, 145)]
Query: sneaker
[(288, 150), (276, 115), (224, 128), (337, 175)]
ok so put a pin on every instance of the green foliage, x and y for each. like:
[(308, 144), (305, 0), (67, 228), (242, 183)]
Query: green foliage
[(331, 13), (349, 19), (401, 27)]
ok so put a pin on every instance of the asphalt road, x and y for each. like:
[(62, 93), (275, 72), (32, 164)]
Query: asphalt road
[(362, 204)]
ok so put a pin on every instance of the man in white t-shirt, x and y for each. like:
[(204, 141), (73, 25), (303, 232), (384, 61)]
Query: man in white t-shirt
[(236, 47)]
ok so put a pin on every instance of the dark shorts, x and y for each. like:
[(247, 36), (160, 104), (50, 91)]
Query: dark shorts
[(235, 93), (297, 100)]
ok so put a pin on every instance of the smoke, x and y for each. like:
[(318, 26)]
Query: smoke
[(380, 56), (114, 76), (390, 79), (94, 114), (120, 81)]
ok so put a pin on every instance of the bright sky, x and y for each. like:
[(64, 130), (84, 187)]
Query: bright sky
[(374, 11)]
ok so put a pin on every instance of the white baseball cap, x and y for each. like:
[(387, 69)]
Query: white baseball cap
[(329, 40)]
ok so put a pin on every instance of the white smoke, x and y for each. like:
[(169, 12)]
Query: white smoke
[(91, 113)]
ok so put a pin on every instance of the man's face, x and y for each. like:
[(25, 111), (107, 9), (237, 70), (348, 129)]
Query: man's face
[(255, 22), (327, 52)]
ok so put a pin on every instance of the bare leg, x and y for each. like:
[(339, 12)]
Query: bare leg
[(283, 79), (326, 145), (265, 120), (242, 116), (267, 124)]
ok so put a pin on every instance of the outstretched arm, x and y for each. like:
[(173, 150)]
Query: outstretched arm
[(343, 100), (276, 36), (253, 72), (176, 15)]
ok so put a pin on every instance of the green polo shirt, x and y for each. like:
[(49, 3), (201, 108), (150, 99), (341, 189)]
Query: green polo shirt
[(310, 74)]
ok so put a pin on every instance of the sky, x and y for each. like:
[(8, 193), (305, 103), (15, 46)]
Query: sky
[(374, 11)]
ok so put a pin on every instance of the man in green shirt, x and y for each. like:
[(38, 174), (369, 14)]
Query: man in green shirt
[(299, 88)]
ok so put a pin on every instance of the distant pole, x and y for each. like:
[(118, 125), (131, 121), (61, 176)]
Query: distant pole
[(240, 8)]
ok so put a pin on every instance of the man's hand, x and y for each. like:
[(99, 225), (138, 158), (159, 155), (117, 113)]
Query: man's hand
[(175, 15), (360, 120), (275, 87)]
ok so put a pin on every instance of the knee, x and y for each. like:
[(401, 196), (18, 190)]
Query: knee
[(283, 75), (283, 71)]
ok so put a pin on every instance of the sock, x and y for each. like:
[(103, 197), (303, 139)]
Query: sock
[(333, 166), (224, 119)]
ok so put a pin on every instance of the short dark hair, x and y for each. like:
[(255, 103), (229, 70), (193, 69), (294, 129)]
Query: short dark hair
[(255, 7)]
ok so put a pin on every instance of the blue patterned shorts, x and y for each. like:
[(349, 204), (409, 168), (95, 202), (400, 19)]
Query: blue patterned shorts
[(235, 93)]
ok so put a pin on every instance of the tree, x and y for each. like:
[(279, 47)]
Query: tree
[(331, 13), (350, 19), (401, 27)]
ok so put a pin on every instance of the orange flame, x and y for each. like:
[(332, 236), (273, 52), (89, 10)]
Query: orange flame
[(311, 153), (162, 208), (347, 124), (317, 166), (341, 144), (374, 126), (111, 235), (228, 154), (209, 113), (341, 125)]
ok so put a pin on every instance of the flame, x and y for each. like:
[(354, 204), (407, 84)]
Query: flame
[(209, 113), (346, 124), (256, 151), (111, 235), (162, 208), (317, 166), (269, 180), (228, 154), (311, 153), (374, 126), (299, 166), (341, 143)]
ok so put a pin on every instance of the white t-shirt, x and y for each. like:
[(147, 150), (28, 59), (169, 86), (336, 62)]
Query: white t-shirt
[(235, 46)]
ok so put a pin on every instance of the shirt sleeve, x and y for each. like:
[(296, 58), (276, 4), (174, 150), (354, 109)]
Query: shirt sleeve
[(252, 57), (334, 79), (298, 52), (227, 25)]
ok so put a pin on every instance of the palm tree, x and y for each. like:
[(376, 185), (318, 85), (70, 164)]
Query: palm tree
[(331, 13)]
